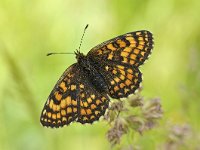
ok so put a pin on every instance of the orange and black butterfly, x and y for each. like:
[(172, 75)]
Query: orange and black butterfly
[(110, 69)]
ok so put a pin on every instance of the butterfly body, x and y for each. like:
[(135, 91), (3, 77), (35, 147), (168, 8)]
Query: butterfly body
[(89, 69), (110, 69)]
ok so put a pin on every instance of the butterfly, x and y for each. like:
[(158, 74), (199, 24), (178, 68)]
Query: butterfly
[(110, 69)]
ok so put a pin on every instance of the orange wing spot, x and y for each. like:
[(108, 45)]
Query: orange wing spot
[(68, 100), (83, 112), (106, 67), (93, 96), (132, 45), (96, 112), (142, 53), (127, 35), (125, 60), (111, 47), (64, 119), (58, 108), (89, 100), (85, 104), (117, 79), (98, 101), (58, 96), (132, 62), (136, 51), (83, 95), (73, 87), (130, 71), (99, 52), (103, 99), (74, 103), (120, 67), (112, 82), (69, 110), (133, 56), (122, 77), (140, 47), (44, 112), (63, 103), (116, 88), (129, 76), (63, 86), (121, 43), (54, 107), (131, 39), (49, 115), (74, 110), (127, 49), (81, 103), (128, 82), (93, 106), (92, 117), (69, 118), (114, 71), (58, 115), (63, 112), (54, 116), (51, 104), (89, 112), (141, 43), (140, 38), (122, 85), (124, 54), (110, 56), (81, 86), (85, 118), (122, 72), (135, 80), (126, 90), (138, 33)]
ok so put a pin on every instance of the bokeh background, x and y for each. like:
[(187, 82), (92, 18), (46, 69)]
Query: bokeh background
[(31, 29)]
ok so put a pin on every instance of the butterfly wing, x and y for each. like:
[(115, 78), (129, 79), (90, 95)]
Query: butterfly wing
[(131, 48), (73, 99), (118, 60)]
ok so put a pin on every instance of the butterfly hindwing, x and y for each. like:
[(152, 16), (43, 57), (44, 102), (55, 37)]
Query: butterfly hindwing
[(122, 80)]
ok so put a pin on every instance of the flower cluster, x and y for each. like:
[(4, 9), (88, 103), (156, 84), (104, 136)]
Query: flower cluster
[(134, 114)]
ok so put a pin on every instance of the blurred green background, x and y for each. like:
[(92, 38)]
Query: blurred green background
[(31, 29)]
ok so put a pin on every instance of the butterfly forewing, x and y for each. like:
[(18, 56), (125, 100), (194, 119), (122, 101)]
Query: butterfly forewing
[(131, 48), (73, 98)]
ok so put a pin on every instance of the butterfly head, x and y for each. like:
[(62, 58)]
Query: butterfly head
[(79, 55)]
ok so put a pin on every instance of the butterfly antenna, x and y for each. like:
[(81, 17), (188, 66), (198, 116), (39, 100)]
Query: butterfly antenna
[(82, 37), (48, 54)]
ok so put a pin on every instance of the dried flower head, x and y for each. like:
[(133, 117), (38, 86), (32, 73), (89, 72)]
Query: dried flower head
[(115, 133), (124, 117), (136, 101), (178, 136), (152, 109)]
